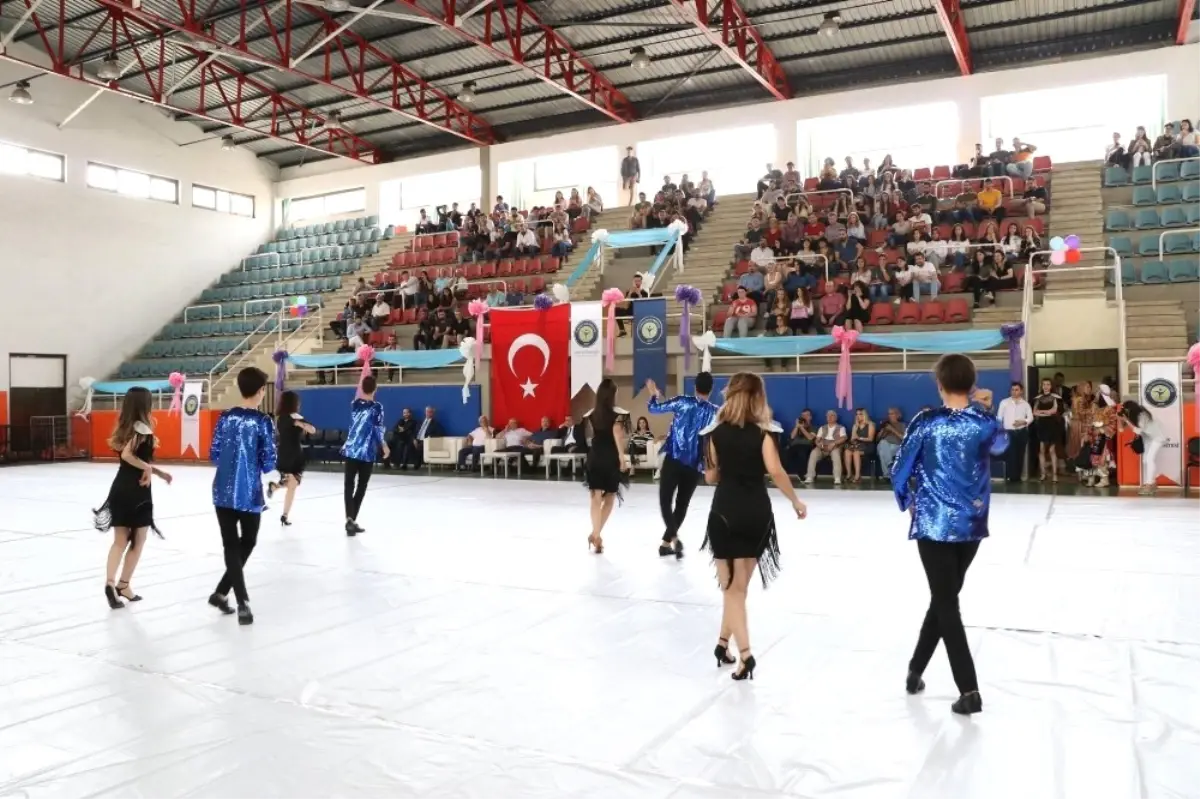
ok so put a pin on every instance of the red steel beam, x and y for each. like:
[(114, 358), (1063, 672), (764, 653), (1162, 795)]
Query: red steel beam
[(394, 88), (1186, 9), (741, 41), (218, 88), (543, 53), (950, 15)]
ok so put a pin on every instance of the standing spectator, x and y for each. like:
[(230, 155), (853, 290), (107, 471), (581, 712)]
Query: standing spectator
[(477, 439), (828, 443), (800, 443), (742, 313), (1016, 416), (1021, 165), (890, 434), (631, 173)]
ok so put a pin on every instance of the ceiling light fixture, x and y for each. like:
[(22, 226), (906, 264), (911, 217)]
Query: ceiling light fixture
[(638, 58), (467, 95), (334, 121), (20, 95), (830, 25), (110, 69), (336, 6), (227, 142)]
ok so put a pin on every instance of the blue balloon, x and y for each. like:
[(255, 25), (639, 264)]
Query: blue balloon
[(1057, 243)]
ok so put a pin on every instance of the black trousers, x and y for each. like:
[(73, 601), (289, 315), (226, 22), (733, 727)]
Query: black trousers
[(237, 549), (1014, 456), (404, 452), (945, 568), (676, 485), (357, 472)]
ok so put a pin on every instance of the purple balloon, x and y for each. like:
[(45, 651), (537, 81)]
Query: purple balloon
[(1072, 242)]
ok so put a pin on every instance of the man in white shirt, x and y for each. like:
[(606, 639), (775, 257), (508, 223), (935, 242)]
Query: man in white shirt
[(831, 437), (356, 332), (380, 313), (409, 285), (516, 439), (476, 439), (1016, 416), (924, 277), (762, 255), (527, 243)]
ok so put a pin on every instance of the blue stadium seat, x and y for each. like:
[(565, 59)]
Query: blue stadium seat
[(1147, 219), (1115, 176), (1145, 195), (1148, 245), (1154, 272), (1116, 219), (1192, 212), (1183, 270), (1173, 217), (1122, 244), (1190, 169), (1191, 192), (1169, 194), (1166, 172), (1141, 174)]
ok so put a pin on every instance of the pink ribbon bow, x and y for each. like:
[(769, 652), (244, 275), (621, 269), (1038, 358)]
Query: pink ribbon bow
[(176, 381), (366, 353), (609, 299), (844, 388), (478, 309)]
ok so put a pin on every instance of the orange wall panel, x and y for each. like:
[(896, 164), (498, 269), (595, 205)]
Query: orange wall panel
[(166, 428), (1128, 461)]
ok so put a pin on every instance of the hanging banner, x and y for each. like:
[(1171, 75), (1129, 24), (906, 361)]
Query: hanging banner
[(587, 352), (649, 342), (189, 428), (1162, 395)]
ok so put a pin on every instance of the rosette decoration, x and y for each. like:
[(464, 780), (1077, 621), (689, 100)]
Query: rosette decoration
[(86, 384), (543, 302), (600, 235), (176, 380), (687, 296), (561, 292), (280, 358), (366, 354), (466, 348), (478, 309), (705, 342), (679, 226), (844, 388), (609, 300), (1013, 333)]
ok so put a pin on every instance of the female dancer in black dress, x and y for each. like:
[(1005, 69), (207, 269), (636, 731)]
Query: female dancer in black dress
[(290, 426), (741, 528), (607, 469), (1048, 428), (129, 509)]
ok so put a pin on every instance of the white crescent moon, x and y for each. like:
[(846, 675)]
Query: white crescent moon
[(529, 340)]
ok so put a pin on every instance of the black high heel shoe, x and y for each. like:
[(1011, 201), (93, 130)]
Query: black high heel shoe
[(677, 545), (746, 672), (967, 704), (110, 593), (913, 683), (721, 652), (126, 593), (284, 521)]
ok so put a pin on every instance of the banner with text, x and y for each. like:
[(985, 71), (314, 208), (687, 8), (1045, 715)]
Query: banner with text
[(1161, 385), (649, 342), (189, 429)]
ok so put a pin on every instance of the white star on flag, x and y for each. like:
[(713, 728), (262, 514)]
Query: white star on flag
[(528, 387)]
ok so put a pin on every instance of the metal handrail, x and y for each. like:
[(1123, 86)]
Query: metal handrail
[(941, 183), (1162, 237), (246, 305), (804, 195), (278, 319), (1154, 168), (216, 305)]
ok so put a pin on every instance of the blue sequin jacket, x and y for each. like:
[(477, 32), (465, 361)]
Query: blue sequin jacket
[(947, 455), (243, 448), (364, 439), (691, 416)]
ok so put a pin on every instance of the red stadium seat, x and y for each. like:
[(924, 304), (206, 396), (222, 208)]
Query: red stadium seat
[(811, 184), (958, 311), (459, 272), (922, 173), (423, 243), (718, 323), (951, 189), (517, 285), (475, 290), (728, 290), (580, 225), (472, 271), (398, 259), (908, 314), (452, 239), (1041, 163), (742, 268), (882, 313), (952, 282), (424, 258), (439, 240), (876, 238), (932, 313), (505, 268), (487, 269), (410, 316), (520, 266), (1038, 223), (537, 284), (550, 264), (941, 172)]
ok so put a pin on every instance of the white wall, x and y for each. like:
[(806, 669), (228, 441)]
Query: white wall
[(1181, 65), (123, 266)]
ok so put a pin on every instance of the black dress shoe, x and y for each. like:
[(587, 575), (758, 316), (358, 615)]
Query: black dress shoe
[(967, 704), (220, 603), (914, 684), (244, 615)]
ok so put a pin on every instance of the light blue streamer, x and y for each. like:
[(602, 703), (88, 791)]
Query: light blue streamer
[(626, 238), (929, 341), (584, 264), (123, 386), (773, 347), (406, 359)]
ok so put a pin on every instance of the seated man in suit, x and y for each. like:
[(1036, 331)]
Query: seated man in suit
[(537, 441), (574, 439), (429, 428), (403, 449)]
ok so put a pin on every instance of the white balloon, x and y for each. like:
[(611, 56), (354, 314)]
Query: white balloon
[(561, 292)]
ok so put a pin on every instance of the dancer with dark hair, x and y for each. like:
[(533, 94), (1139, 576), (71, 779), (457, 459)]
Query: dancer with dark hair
[(947, 453), (1148, 441), (606, 472), (290, 426), (681, 455), (364, 443)]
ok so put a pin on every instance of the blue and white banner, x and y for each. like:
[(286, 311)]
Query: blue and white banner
[(649, 342), (189, 428), (1161, 386), (587, 350)]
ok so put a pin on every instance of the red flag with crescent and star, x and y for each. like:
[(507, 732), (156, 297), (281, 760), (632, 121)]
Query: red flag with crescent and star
[(530, 371)]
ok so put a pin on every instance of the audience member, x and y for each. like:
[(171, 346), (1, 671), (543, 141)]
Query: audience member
[(475, 445), (861, 445), (573, 437), (800, 443), (891, 433), (742, 313), (827, 443), (1021, 164)]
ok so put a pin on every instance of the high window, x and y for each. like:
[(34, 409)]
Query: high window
[(339, 202), (225, 202), (914, 136), (129, 183), (25, 161)]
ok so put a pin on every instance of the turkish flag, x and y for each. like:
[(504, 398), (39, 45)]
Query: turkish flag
[(530, 373)]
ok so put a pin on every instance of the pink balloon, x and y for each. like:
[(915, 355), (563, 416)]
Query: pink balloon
[(1058, 257)]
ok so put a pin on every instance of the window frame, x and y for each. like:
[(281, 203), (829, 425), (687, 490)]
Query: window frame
[(62, 159), (215, 207), (116, 190), (323, 197)]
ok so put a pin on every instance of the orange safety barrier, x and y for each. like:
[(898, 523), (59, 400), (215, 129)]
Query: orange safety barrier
[(1129, 467)]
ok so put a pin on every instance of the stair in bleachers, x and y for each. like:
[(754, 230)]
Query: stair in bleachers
[(1155, 330), (1075, 208)]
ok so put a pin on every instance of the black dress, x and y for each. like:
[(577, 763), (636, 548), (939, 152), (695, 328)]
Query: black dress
[(859, 310), (741, 524), (291, 451), (129, 504), (602, 471), (1049, 429)]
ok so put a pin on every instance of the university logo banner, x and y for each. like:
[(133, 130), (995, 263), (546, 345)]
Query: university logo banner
[(189, 427), (529, 365), (1162, 395), (649, 342), (587, 346)]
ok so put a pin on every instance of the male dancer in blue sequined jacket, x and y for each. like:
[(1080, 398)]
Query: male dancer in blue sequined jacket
[(683, 461), (364, 444), (947, 453)]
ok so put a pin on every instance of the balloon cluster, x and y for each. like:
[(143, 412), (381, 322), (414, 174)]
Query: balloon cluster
[(1064, 250), (299, 306)]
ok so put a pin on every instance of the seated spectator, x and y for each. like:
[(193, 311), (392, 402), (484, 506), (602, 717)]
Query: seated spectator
[(937, 249), (425, 225), (1021, 165), (744, 246), (981, 277), (496, 298), (561, 243), (800, 443), (958, 249), (924, 278), (800, 277), (773, 283), (850, 173), (826, 258), (338, 325), (1114, 154), (780, 210), (861, 445), (989, 239), (1165, 146), (801, 313), (573, 437), (1189, 142), (1035, 196), (827, 443), (832, 308), (1031, 242), (526, 244), (345, 348), (742, 313), (855, 228), (991, 202), (898, 234), (772, 236), (828, 176), (516, 440), (773, 195), (920, 219), (779, 315), (1006, 276), (575, 205), (858, 307), (978, 166), (791, 179), (848, 252), (890, 434), (475, 445), (752, 280), (879, 219), (998, 159), (880, 287), (706, 190), (886, 167), (791, 234), (356, 332), (764, 182), (379, 314), (500, 207), (594, 205), (860, 273), (916, 243)]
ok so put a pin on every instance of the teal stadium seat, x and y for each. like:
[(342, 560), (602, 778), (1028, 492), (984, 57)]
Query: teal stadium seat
[(1148, 245), (1192, 214), (1154, 272), (1169, 194), (1166, 172), (1191, 192), (1117, 219), (1190, 169), (1115, 176), (1173, 217), (1141, 174), (1147, 219), (1184, 270), (1145, 195)]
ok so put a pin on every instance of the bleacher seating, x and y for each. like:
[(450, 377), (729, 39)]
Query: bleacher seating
[(1160, 203)]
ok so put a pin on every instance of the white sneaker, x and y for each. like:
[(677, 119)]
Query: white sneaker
[(837, 482)]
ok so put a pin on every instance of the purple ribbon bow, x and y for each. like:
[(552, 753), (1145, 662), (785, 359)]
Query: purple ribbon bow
[(280, 358), (687, 297), (1013, 333)]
